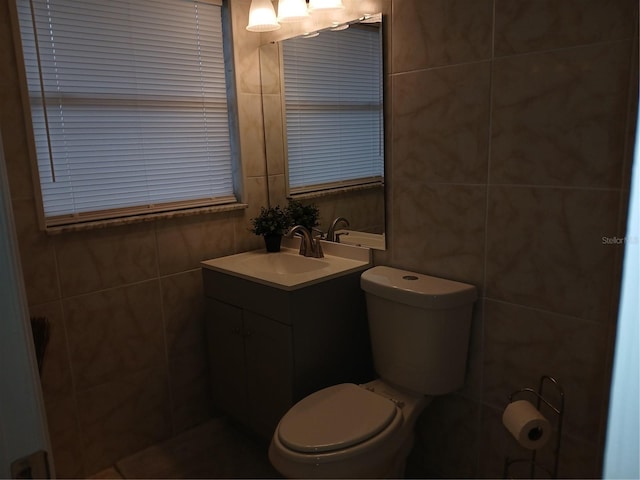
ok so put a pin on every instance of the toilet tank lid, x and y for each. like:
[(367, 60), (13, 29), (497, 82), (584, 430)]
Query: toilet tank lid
[(416, 289)]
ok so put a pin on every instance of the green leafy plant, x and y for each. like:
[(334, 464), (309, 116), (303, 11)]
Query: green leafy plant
[(300, 214), (271, 221)]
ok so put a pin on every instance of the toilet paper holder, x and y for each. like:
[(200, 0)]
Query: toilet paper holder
[(557, 410)]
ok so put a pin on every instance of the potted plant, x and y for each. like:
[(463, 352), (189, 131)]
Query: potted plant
[(306, 215), (271, 223)]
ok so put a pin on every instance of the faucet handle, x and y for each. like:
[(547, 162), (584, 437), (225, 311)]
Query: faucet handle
[(339, 234), (317, 248), (316, 236)]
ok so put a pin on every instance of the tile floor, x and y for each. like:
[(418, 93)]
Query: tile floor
[(215, 449)]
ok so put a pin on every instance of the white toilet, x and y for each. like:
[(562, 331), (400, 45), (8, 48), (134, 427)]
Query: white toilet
[(419, 327)]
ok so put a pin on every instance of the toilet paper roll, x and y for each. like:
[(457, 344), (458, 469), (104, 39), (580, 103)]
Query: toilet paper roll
[(527, 425)]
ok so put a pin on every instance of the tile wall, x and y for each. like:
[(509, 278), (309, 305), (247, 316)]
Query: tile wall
[(126, 365), (509, 153)]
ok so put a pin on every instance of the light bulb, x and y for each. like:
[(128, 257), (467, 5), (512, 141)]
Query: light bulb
[(262, 17), (292, 10), (325, 4)]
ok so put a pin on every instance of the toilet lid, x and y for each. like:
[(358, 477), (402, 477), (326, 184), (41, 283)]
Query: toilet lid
[(334, 418)]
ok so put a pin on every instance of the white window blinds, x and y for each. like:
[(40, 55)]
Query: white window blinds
[(129, 105), (334, 115)]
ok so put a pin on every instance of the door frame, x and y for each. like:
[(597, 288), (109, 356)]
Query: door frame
[(23, 424)]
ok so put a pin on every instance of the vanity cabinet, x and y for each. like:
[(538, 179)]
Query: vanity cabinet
[(269, 348)]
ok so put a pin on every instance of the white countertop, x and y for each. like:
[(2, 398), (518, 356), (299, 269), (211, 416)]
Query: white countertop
[(287, 269)]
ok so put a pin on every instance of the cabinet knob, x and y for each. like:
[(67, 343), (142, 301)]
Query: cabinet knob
[(247, 333), (235, 331)]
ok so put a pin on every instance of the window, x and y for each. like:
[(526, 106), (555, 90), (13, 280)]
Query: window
[(334, 115), (129, 106)]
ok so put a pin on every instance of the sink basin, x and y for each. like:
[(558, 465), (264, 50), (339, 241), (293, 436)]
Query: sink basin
[(288, 270), (284, 263)]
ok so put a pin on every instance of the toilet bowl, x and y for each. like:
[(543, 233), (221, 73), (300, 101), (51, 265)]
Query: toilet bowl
[(419, 327), (347, 431)]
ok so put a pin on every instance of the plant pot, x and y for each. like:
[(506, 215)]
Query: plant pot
[(272, 242)]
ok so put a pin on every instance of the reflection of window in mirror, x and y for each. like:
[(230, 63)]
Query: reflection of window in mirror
[(333, 103)]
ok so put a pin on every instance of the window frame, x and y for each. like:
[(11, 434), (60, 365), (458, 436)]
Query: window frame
[(135, 214)]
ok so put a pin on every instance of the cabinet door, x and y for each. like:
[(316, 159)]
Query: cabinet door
[(226, 357), (269, 371)]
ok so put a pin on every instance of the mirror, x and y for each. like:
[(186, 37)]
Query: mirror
[(359, 199)]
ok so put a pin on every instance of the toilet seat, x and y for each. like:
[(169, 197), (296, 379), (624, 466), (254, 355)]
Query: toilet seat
[(335, 418)]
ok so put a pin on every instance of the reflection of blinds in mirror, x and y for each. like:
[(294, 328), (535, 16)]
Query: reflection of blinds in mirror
[(333, 100)]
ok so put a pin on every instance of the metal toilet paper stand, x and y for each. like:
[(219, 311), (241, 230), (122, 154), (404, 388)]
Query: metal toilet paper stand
[(559, 413)]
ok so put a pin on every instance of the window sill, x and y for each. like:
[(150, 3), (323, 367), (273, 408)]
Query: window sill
[(150, 217), (335, 191)]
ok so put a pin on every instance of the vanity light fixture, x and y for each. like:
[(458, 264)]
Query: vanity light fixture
[(371, 18), (292, 11), (262, 17), (339, 26), (325, 4)]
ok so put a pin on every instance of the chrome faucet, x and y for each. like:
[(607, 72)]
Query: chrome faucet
[(331, 233), (309, 245)]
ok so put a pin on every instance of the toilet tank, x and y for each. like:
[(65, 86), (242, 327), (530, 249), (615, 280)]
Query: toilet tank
[(419, 327)]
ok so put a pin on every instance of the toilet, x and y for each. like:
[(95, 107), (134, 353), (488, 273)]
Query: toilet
[(419, 327)]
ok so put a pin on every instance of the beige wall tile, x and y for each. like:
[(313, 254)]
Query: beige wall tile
[(252, 135), (522, 344), (430, 33), (245, 49), (37, 254), (472, 388), (440, 230), (183, 306), (123, 416), (632, 116), (440, 124), (114, 333), (184, 242), (275, 147), (269, 69), (191, 401), (64, 432), (257, 196), (545, 249), (449, 435), (277, 190), (559, 117), (363, 209), (495, 442), (96, 259), (526, 26)]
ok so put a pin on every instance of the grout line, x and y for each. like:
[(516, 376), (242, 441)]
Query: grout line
[(483, 294), (489, 154), (72, 373), (163, 318), (115, 467)]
